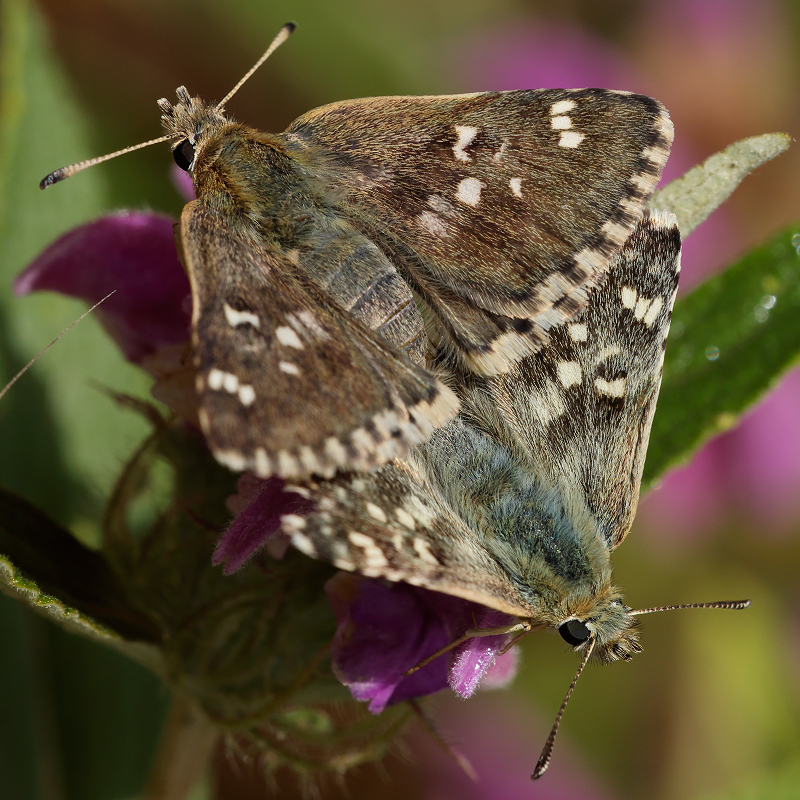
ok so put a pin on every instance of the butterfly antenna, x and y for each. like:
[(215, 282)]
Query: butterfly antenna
[(42, 352), (547, 751), (733, 604), (283, 34), (66, 172)]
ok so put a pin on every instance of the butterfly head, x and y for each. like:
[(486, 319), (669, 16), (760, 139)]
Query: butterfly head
[(188, 122), (609, 624)]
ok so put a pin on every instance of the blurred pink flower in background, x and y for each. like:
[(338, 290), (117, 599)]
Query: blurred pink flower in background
[(750, 474), (501, 737)]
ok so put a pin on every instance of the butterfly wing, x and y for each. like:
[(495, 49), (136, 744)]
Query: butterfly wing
[(272, 354), (517, 503), (580, 411), (502, 210), (391, 524)]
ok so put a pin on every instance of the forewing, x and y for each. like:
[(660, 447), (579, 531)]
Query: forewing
[(582, 408), (288, 383), (391, 524), (502, 209)]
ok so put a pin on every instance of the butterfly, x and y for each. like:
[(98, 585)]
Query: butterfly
[(330, 263), (519, 502)]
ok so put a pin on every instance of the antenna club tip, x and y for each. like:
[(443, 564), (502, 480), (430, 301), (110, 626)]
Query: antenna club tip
[(540, 769), (53, 177), (290, 27)]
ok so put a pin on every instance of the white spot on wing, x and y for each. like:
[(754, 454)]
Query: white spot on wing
[(469, 191), (607, 352), (560, 123), (335, 451), (231, 459), (562, 107), (405, 519), (432, 224), (578, 331), (548, 405), (641, 307), (498, 156), (615, 388), (230, 383), (287, 337), (216, 377), (288, 367), (374, 559), (303, 543), (293, 523), (440, 205), (652, 312), (236, 318), (419, 511), (312, 326), (287, 464), (571, 139), (516, 186), (424, 551), (247, 394), (465, 133), (628, 295), (376, 512), (362, 440), (263, 467), (569, 373)]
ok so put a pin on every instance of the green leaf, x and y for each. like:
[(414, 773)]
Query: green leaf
[(707, 186), (47, 568), (62, 439), (77, 720), (730, 341)]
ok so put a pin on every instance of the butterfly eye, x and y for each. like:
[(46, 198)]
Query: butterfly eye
[(574, 632), (184, 155)]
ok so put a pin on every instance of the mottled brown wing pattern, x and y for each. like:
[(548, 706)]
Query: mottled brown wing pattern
[(517, 503), (502, 210), (391, 524), (288, 383), (581, 410)]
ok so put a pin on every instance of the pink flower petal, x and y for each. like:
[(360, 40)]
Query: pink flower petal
[(476, 657), (258, 525), (385, 630), (132, 254)]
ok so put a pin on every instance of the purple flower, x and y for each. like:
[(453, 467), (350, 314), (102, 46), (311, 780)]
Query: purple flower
[(260, 506), (386, 629), (133, 255)]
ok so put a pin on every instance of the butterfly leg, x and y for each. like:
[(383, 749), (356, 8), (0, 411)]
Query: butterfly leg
[(524, 626)]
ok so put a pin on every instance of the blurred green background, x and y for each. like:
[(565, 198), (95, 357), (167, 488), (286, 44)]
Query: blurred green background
[(711, 709)]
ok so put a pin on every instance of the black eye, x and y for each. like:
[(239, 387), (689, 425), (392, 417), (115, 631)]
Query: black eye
[(184, 155), (574, 632)]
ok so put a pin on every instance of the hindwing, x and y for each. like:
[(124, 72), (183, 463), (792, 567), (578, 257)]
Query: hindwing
[(517, 503), (391, 523), (580, 411)]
